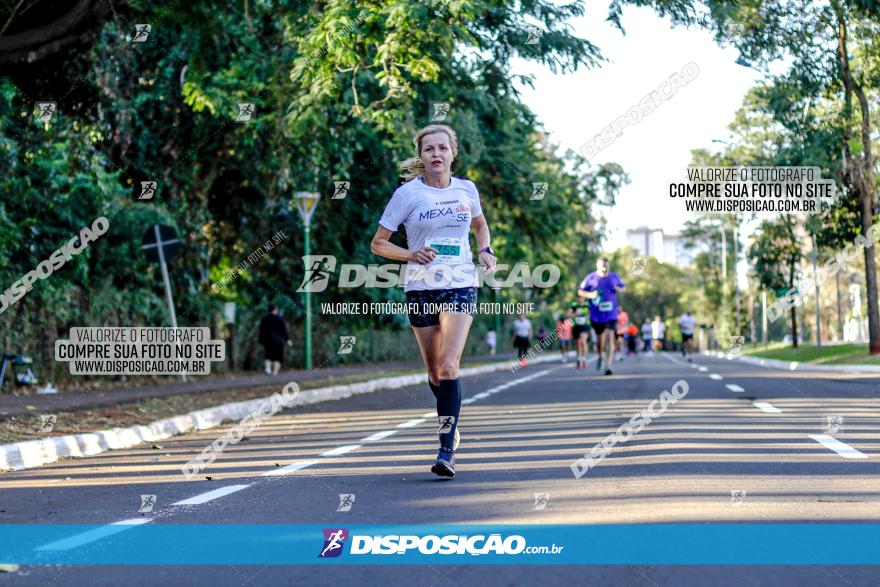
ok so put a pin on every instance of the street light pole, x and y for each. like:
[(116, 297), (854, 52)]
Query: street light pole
[(764, 315), (306, 202), (735, 280), (816, 284)]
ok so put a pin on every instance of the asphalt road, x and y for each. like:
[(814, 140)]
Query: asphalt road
[(746, 444)]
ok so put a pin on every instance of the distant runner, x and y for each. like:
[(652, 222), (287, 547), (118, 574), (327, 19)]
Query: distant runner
[(564, 328), (601, 288), (646, 336), (658, 333), (687, 323), (579, 333)]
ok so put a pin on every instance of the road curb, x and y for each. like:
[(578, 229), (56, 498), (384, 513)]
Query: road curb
[(33, 453), (797, 366)]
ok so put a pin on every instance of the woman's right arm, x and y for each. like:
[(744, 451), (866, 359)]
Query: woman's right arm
[(381, 245)]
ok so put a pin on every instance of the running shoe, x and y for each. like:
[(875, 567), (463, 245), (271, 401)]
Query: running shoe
[(456, 440), (608, 371), (445, 465)]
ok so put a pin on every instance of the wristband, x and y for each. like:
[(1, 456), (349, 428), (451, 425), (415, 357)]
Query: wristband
[(488, 250)]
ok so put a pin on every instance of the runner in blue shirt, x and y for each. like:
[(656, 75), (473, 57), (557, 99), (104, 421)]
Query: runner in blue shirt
[(601, 288)]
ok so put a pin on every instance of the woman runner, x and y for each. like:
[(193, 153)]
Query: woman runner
[(438, 211)]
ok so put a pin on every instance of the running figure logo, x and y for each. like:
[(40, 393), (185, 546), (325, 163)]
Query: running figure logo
[(148, 190), (318, 270), (346, 345), (736, 343), (147, 503), (47, 423), (446, 424), (439, 111), (541, 500), (341, 190), (539, 190), (45, 110), (534, 35), (334, 540), (638, 265), (833, 424), (246, 111), (346, 500), (141, 32), (737, 496)]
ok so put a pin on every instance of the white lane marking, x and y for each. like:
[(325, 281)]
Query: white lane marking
[(702, 369), (379, 435), (209, 495), (341, 450), (468, 401), (715, 376), (735, 388), (93, 535), (290, 468), (844, 450), (482, 395), (411, 423), (765, 407)]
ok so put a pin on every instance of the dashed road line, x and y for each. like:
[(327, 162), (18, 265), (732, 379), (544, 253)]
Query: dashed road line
[(734, 388), (290, 468), (340, 450), (702, 369), (841, 448), (379, 435), (411, 423), (766, 407), (715, 376), (210, 495)]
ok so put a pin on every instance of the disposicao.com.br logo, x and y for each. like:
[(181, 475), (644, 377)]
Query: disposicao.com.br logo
[(429, 544)]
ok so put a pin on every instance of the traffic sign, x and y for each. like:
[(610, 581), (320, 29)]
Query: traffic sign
[(160, 236)]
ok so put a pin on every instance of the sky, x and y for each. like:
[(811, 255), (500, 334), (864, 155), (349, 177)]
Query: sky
[(575, 107)]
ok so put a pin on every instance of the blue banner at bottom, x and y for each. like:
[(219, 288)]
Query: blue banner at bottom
[(142, 542)]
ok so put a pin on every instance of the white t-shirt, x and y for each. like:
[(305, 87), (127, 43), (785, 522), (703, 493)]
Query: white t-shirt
[(687, 323), (646, 330), (522, 328), (658, 329), (490, 338), (440, 218)]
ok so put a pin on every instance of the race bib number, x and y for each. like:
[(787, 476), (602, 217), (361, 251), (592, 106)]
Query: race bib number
[(606, 306), (449, 250)]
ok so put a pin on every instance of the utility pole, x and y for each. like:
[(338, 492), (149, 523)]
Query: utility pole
[(764, 315)]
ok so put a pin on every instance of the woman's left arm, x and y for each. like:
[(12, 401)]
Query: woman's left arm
[(481, 230)]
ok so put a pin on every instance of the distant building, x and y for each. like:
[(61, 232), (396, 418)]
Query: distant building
[(666, 248)]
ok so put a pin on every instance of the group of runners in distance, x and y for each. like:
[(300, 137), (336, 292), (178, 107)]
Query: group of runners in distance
[(599, 309), (438, 212)]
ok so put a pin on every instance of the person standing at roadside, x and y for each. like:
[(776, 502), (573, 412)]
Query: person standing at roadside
[(273, 335)]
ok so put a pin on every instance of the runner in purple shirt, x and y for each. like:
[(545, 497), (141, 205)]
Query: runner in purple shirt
[(601, 288)]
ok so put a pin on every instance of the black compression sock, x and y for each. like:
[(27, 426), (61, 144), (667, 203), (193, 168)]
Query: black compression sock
[(448, 410), (435, 389)]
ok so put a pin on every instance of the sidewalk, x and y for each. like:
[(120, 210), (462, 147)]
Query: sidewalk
[(85, 399)]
